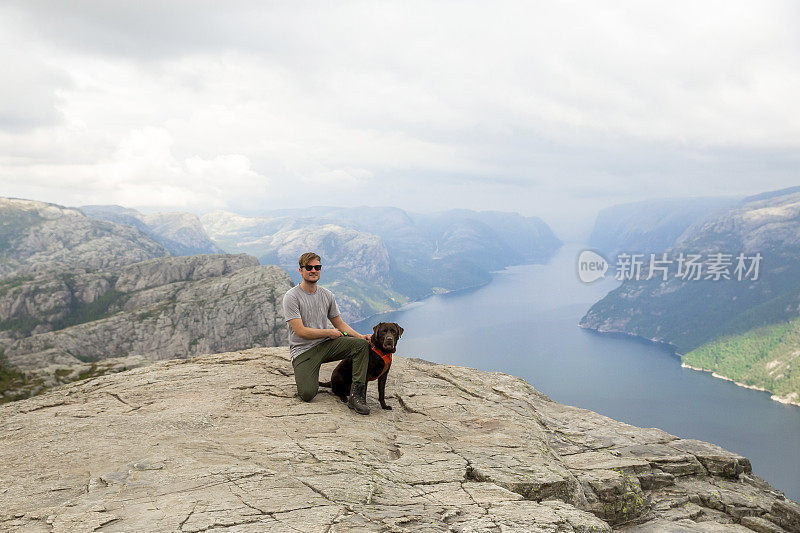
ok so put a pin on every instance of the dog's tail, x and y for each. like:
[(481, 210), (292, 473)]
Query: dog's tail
[(325, 384)]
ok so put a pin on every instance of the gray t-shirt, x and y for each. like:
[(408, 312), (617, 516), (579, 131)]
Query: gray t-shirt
[(314, 309)]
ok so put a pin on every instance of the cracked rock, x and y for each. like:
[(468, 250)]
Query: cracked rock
[(219, 442)]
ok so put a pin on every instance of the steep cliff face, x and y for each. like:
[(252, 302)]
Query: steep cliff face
[(742, 329), (55, 299), (169, 320), (163, 308), (220, 442)]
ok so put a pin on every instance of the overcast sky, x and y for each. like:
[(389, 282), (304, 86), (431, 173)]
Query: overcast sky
[(546, 108)]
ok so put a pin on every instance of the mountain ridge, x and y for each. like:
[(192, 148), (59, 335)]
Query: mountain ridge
[(179, 232), (76, 292), (707, 314), (412, 255)]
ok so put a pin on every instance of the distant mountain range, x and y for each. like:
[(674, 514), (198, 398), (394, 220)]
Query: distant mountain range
[(651, 225), (379, 258), (722, 318), (179, 233)]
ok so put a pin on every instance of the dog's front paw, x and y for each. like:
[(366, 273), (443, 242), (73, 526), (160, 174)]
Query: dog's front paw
[(389, 407)]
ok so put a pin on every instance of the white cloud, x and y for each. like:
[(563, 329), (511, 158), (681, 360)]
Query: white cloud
[(403, 103), (144, 172)]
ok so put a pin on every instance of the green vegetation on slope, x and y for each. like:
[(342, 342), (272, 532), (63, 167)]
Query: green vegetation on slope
[(106, 305), (62, 316), (14, 385), (366, 298), (11, 283), (23, 325), (767, 357)]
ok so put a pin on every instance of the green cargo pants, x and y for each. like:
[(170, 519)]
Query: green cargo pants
[(306, 365)]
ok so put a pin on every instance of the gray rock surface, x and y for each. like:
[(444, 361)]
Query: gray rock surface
[(61, 326), (172, 312), (149, 274), (54, 299), (36, 236), (221, 443), (180, 233)]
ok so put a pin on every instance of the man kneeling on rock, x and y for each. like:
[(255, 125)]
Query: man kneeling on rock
[(307, 308)]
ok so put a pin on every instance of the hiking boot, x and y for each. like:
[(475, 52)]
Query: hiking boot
[(358, 398)]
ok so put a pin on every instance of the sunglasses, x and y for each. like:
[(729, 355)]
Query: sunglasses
[(309, 268)]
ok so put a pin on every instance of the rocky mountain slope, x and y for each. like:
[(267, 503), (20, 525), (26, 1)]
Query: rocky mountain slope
[(379, 258), (55, 299), (78, 291), (180, 233), (690, 313), (37, 236), (220, 442), (165, 307), (356, 262), (162, 308)]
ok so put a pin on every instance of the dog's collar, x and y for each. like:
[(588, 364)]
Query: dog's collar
[(386, 356), (379, 351)]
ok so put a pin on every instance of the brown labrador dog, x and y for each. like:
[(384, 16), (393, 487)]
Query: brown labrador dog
[(383, 344)]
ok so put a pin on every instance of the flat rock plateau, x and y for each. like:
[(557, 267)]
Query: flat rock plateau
[(221, 443)]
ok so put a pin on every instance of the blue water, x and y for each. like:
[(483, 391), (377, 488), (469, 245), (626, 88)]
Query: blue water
[(524, 322)]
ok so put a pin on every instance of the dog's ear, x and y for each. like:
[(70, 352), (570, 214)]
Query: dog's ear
[(375, 329), (399, 331)]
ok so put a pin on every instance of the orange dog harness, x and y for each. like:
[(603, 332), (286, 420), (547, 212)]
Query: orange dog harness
[(387, 360)]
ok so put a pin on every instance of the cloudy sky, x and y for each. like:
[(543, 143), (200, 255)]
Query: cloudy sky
[(547, 108)]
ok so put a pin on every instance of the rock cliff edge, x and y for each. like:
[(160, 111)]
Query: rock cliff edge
[(220, 442)]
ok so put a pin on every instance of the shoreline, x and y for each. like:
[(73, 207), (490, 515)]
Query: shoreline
[(632, 336), (417, 303), (773, 396), (624, 334)]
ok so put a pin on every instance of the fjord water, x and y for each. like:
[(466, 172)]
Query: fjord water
[(524, 322)]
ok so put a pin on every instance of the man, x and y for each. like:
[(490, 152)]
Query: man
[(307, 308)]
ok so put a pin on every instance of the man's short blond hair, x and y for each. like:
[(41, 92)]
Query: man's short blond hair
[(307, 257)]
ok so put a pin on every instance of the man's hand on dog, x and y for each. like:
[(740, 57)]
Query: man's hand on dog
[(335, 334)]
